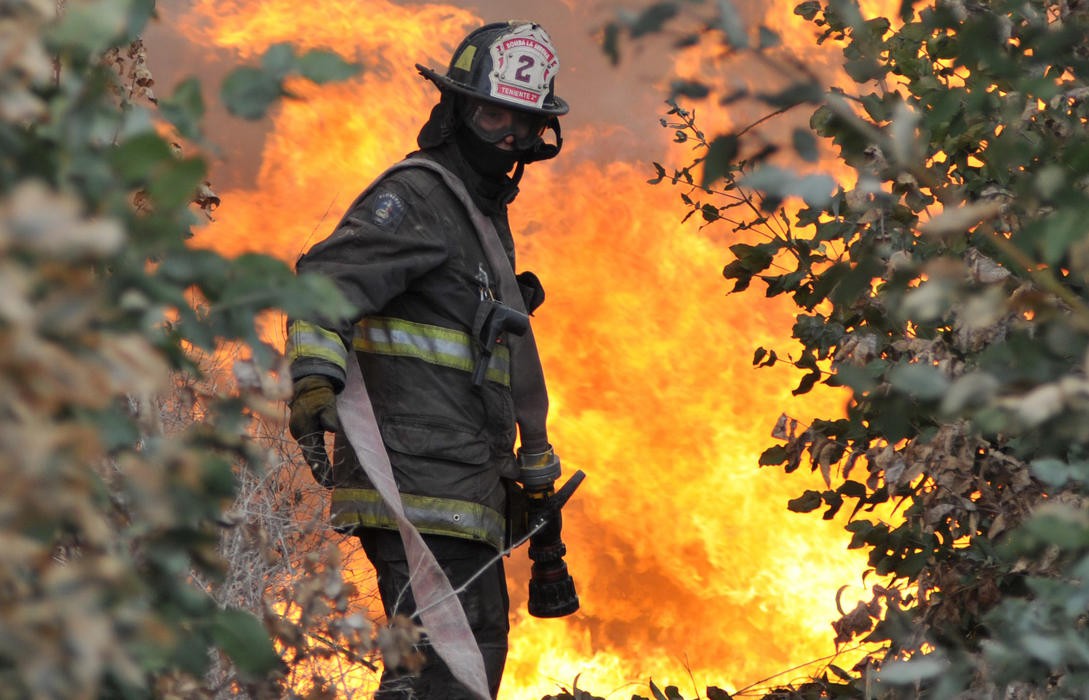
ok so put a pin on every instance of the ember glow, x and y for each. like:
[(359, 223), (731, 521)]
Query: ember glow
[(689, 567)]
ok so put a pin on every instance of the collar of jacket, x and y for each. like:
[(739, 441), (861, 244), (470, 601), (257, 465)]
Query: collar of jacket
[(490, 195)]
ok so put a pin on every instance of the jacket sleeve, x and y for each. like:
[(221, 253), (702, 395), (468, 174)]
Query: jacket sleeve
[(387, 239)]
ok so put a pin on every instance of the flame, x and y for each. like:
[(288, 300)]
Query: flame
[(689, 568)]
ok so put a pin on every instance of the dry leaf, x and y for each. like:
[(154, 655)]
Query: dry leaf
[(397, 642), (960, 219)]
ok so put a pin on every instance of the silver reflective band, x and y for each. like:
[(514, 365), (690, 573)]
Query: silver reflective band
[(445, 347), (434, 516), (305, 339)]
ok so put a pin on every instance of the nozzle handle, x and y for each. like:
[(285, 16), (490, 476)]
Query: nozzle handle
[(560, 498)]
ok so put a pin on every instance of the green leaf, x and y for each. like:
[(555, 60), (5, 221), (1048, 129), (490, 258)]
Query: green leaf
[(248, 92), (652, 19), (1045, 648), (660, 174), (852, 489), (793, 95), (732, 25), (920, 381), (769, 38), (754, 258), (902, 673), (1049, 180), (863, 69), (1056, 472), (242, 637), (840, 673), (970, 390), (185, 109), (1063, 229), (140, 13), (720, 156), (279, 60), (806, 503), (321, 66), (691, 89), (808, 9), (255, 278), (847, 13), (176, 183), (313, 293), (610, 42), (815, 190), (91, 26), (805, 144), (116, 429), (1058, 525), (875, 106), (776, 454), (139, 157), (205, 268), (860, 379)]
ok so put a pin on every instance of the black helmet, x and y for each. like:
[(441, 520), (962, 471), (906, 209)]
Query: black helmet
[(513, 64)]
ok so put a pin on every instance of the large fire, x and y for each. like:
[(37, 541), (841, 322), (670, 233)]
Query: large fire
[(689, 568)]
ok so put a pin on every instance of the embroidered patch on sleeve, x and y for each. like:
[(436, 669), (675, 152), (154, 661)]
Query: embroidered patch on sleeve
[(388, 210)]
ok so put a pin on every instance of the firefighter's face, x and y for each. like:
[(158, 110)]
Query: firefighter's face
[(508, 129)]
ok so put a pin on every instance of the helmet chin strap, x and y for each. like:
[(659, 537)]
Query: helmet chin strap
[(543, 150)]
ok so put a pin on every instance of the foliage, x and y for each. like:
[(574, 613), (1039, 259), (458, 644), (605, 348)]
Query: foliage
[(126, 457), (944, 286)]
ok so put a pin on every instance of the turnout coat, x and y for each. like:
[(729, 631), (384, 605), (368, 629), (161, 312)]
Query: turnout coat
[(407, 256)]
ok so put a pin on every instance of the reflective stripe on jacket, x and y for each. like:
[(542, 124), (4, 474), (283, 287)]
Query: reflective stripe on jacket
[(445, 347), (393, 336), (353, 508), (307, 340)]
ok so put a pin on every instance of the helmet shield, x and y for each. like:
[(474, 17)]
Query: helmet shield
[(513, 64)]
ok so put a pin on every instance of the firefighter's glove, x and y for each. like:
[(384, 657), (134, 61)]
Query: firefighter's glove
[(313, 413)]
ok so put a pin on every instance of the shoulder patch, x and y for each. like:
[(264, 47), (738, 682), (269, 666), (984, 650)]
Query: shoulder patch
[(388, 210)]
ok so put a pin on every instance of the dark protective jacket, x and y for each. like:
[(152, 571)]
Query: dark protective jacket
[(408, 257)]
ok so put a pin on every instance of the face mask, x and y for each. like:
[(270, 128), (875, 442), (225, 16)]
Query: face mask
[(486, 158)]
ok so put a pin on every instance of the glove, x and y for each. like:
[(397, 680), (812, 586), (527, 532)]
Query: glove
[(313, 413), (532, 290)]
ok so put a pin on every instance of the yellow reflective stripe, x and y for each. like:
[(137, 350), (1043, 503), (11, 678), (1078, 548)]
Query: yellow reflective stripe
[(434, 516), (445, 347), (305, 339)]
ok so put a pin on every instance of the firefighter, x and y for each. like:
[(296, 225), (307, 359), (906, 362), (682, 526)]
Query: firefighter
[(437, 367)]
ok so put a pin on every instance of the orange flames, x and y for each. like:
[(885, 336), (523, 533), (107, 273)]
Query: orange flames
[(689, 568)]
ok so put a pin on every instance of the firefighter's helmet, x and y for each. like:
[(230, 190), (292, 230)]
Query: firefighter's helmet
[(513, 64)]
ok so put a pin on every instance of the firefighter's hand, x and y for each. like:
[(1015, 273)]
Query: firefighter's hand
[(313, 413)]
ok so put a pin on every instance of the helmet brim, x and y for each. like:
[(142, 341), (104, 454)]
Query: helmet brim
[(558, 107)]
